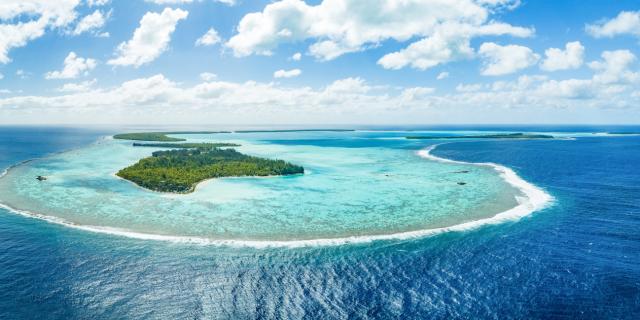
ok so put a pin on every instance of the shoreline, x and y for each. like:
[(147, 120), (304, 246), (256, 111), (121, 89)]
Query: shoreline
[(534, 199)]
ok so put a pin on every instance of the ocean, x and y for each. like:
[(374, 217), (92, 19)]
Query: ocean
[(577, 257)]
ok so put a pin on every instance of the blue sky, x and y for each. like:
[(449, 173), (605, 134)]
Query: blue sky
[(364, 62)]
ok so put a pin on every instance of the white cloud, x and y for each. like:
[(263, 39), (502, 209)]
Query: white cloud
[(22, 74), (1, 76), (150, 39), (627, 22), (615, 67), (41, 15), (92, 23), (164, 2), (348, 86), (97, 3), (343, 26), (469, 87), (570, 88), (416, 92), (78, 87), (74, 66), (612, 77), (501, 60), (287, 73), (296, 56), (210, 38), (352, 100), (449, 42), (208, 76), (524, 82), (558, 59), (442, 75)]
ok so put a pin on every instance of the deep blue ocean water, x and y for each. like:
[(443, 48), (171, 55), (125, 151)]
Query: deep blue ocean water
[(580, 258)]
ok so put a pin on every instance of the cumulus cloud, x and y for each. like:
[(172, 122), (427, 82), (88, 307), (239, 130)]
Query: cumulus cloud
[(161, 94), (611, 79), (164, 2), (92, 23), (287, 73), (615, 67), (97, 3), (343, 26), (415, 93), (208, 76), (78, 87), (501, 60), (349, 86), (157, 99), (442, 75), (210, 38), (570, 88), (469, 87), (296, 56), (627, 22), (569, 58), (41, 15), (22, 74), (449, 42), (74, 66), (150, 39)]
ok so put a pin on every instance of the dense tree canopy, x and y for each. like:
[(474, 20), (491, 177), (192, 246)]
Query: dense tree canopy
[(181, 170), (190, 145), (489, 136)]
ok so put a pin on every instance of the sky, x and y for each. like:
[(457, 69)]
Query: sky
[(319, 62)]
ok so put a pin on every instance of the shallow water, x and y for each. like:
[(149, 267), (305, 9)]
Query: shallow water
[(346, 192)]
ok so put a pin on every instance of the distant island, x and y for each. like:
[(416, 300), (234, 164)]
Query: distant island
[(160, 136), (296, 130), (186, 145), (489, 136), (181, 169)]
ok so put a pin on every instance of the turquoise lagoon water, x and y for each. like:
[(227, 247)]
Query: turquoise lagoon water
[(352, 189)]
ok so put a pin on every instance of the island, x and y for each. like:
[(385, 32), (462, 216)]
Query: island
[(624, 132), (181, 169), (294, 130), (489, 136), (190, 145), (160, 136)]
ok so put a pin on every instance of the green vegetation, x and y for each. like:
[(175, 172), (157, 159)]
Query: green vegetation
[(181, 170), (489, 136), (146, 136), (159, 136), (186, 145), (162, 136)]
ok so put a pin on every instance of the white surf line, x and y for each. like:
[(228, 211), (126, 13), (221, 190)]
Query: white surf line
[(534, 199)]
